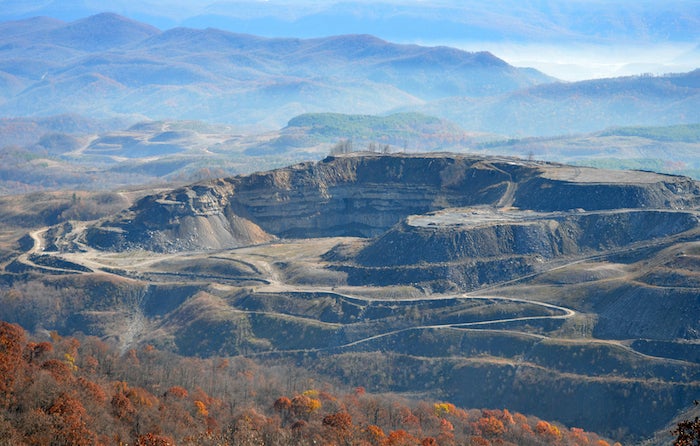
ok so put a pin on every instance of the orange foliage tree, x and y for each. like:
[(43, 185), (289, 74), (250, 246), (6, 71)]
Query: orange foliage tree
[(70, 421), (70, 392), (303, 406), (491, 426), (400, 438), (549, 431), (12, 338)]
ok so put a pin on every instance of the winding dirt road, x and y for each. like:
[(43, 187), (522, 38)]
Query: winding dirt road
[(96, 261)]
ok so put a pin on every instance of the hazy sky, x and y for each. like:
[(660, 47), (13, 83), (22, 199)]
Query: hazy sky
[(578, 62)]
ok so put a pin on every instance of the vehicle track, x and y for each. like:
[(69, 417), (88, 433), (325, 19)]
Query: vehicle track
[(566, 313), (276, 285)]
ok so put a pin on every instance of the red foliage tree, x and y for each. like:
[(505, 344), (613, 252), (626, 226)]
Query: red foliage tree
[(341, 421), (122, 407), (283, 406), (70, 422), (491, 426), (92, 392), (12, 339), (35, 350), (59, 370), (176, 392), (340, 424), (400, 438), (154, 440)]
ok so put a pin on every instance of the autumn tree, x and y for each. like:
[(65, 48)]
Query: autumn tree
[(548, 431), (400, 437), (491, 426), (60, 370), (283, 406), (34, 351), (12, 339), (303, 406), (340, 424), (70, 421), (154, 440), (85, 391), (122, 407), (687, 433), (429, 441), (374, 435), (249, 428)]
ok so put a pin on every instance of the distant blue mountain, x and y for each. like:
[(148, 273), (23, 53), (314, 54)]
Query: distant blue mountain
[(110, 66), (497, 20), (578, 107), (107, 65), (13, 29), (99, 32)]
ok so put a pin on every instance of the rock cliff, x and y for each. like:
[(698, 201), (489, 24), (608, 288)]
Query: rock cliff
[(187, 219), (365, 195), (486, 233)]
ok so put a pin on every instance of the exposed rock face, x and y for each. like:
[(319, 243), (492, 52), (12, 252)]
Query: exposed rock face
[(434, 239), (546, 194), (363, 196), (468, 248), (366, 195), (193, 218)]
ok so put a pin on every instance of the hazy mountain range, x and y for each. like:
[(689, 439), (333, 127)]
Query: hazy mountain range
[(498, 20), (107, 64), (110, 66)]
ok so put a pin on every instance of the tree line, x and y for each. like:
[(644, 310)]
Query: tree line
[(83, 391)]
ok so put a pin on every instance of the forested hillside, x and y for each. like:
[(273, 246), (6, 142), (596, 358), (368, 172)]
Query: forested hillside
[(81, 391)]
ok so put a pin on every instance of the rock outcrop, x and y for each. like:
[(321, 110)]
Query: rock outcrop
[(365, 195), (486, 233), (188, 219)]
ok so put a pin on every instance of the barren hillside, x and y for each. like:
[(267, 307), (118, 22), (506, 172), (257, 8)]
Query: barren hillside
[(489, 281)]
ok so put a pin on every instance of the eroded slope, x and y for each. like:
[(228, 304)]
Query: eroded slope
[(366, 195), (462, 290)]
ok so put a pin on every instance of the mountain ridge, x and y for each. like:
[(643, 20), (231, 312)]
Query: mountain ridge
[(566, 108), (253, 71), (573, 21), (316, 193), (101, 32), (244, 79)]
